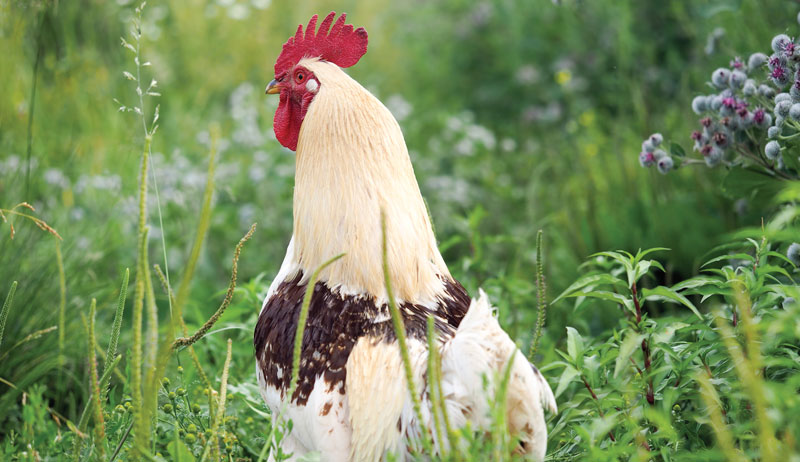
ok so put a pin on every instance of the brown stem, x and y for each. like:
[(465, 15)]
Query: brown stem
[(597, 401), (636, 303)]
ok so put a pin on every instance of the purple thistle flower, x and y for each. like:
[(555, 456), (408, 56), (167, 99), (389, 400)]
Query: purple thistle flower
[(721, 140), (737, 63), (778, 73), (706, 150), (706, 122), (696, 135)]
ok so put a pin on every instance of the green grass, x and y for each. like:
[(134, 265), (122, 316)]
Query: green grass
[(519, 116)]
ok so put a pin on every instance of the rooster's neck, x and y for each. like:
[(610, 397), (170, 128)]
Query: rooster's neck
[(352, 166)]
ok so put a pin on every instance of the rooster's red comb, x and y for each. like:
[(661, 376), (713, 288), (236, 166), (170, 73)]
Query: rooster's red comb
[(341, 45)]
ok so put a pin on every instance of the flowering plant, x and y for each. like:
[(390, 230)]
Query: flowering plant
[(751, 119)]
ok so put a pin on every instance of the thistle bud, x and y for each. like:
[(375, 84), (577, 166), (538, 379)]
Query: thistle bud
[(664, 165), (772, 150), (779, 42), (737, 79), (755, 61), (646, 159), (793, 253), (659, 154), (656, 139), (773, 132), (783, 107), (749, 88), (766, 91), (647, 146), (167, 408), (721, 77), (699, 104), (196, 408)]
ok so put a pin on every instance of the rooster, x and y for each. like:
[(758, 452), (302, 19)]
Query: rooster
[(353, 171)]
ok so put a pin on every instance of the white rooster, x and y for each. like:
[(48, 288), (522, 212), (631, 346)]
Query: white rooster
[(352, 402)]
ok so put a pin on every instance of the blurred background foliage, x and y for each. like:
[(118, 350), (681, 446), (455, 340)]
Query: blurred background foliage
[(519, 115)]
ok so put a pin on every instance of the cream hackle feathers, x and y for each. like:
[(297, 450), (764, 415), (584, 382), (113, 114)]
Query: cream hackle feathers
[(352, 162)]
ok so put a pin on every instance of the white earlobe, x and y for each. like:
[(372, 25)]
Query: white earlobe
[(312, 86)]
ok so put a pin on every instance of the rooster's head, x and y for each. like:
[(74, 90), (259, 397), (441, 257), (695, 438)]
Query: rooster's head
[(341, 45)]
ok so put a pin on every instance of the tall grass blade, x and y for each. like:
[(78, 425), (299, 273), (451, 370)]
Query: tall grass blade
[(400, 332), (213, 442), (6, 309), (541, 296), (99, 423), (62, 302), (116, 326), (186, 341)]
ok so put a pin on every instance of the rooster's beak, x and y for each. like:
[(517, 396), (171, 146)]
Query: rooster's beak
[(273, 88)]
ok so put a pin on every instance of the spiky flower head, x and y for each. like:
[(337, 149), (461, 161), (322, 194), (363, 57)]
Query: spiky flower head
[(794, 111), (659, 154), (647, 146), (779, 42), (773, 132)]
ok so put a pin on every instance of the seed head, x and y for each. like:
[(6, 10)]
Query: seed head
[(721, 77), (664, 165), (772, 150)]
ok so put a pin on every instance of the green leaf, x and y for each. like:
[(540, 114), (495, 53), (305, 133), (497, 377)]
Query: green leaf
[(574, 344), (566, 378), (589, 280), (697, 281), (759, 187), (626, 349), (605, 295), (737, 256), (662, 292), (677, 150)]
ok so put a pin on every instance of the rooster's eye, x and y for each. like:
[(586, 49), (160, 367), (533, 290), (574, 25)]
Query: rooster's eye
[(299, 76)]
